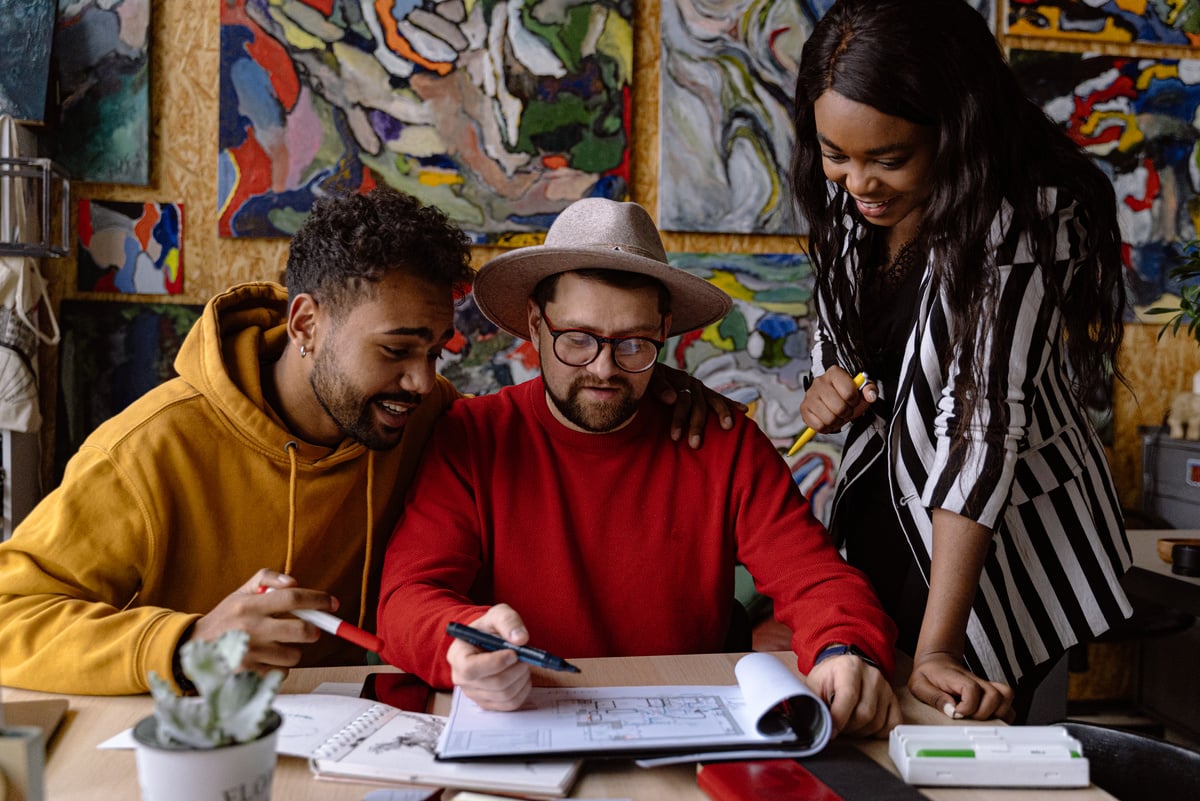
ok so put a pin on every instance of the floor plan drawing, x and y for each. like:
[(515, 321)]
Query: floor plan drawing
[(770, 706), (649, 717)]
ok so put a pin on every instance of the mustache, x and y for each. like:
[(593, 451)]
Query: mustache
[(616, 382)]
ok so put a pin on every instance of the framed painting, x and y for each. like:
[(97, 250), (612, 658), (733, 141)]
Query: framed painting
[(130, 247), (27, 29), (1166, 22), (500, 114), (111, 354), (757, 355), (1138, 119), (102, 62)]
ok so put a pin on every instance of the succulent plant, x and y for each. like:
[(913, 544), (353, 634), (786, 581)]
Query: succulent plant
[(232, 706)]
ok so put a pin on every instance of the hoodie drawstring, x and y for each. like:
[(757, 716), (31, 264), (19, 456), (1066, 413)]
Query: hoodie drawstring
[(292, 447), (366, 571)]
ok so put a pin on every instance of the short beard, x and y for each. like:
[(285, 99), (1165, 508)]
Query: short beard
[(339, 401), (598, 418)]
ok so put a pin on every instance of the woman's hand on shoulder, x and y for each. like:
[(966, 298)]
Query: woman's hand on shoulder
[(832, 400), (692, 402)]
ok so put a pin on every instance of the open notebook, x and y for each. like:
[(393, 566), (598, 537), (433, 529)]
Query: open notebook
[(356, 738), (770, 710)]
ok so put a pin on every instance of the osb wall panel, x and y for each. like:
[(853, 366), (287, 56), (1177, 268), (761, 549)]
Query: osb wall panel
[(1156, 371), (185, 62)]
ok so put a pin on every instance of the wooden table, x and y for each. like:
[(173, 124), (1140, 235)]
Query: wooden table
[(76, 771)]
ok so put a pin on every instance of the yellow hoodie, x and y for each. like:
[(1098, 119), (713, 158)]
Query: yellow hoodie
[(175, 502)]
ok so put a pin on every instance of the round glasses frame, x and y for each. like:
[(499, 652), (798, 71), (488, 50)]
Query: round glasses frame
[(583, 347)]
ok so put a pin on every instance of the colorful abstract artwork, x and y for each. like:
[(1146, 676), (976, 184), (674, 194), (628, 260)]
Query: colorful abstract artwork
[(725, 114), (1138, 119), (499, 113), (727, 85), (102, 60), (26, 29), (757, 355), (130, 247), (110, 355), (1175, 22)]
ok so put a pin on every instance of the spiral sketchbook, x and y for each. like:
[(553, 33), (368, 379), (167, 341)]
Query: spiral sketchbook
[(359, 739)]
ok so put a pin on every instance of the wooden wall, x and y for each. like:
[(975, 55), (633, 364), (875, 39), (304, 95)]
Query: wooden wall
[(185, 59)]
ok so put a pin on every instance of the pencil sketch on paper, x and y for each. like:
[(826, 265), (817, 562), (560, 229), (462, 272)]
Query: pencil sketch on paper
[(649, 717), (424, 735)]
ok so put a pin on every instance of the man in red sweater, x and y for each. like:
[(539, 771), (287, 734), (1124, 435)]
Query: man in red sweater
[(561, 510)]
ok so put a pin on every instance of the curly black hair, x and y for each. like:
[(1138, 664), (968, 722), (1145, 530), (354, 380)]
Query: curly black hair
[(350, 241)]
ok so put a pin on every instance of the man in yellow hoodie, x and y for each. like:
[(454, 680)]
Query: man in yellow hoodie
[(278, 458)]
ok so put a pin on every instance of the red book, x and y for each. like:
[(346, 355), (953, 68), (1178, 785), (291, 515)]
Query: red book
[(761, 780)]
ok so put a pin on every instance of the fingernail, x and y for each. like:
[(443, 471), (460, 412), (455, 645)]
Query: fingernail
[(517, 632), (951, 712), (727, 422), (694, 441)]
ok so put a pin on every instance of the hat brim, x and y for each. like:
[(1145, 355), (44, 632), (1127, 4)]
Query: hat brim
[(504, 285)]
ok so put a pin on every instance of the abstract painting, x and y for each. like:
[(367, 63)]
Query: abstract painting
[(110, 355), (102, 60), (1138, 118), (725, 114), (727, 85), (26, 29), (1175, 22), (130, 247), (757, 355), (500, 113)]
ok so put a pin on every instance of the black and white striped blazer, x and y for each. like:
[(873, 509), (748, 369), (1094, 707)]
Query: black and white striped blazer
[(1051, 578)]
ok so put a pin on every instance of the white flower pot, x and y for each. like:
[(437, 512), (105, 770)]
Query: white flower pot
[(244, 771)]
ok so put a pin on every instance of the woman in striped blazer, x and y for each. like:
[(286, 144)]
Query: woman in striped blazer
[(967, 258)]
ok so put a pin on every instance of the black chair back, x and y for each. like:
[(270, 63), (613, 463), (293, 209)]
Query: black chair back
[(1137, 767)]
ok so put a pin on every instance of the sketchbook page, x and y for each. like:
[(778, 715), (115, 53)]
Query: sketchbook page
[(773, 695), (777, 699), (595, 720), (312, 719), (402, 750)]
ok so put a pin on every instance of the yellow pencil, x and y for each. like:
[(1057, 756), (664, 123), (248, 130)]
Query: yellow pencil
[(809, 433)]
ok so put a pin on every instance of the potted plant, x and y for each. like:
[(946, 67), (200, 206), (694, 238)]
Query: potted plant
[(1187, 273), (218, 744), (1183, 418)]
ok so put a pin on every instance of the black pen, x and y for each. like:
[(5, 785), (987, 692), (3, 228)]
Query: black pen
[(490, 642)]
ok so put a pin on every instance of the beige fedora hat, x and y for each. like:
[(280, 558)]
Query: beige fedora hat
[(594, 233)]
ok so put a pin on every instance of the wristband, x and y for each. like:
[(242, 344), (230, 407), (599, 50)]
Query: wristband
[(839, 649), (182, 681)]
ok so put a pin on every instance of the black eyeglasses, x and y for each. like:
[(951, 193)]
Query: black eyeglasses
[(577, 348)]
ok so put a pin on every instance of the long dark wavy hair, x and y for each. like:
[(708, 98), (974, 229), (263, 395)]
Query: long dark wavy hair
[(936, 63)]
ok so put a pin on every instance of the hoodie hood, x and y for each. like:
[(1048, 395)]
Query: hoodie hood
[(241, 332)]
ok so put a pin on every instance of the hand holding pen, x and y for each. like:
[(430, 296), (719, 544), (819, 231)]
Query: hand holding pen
[(276, 636), (831, 402), (490, 642), (336, 626), (493, 670)]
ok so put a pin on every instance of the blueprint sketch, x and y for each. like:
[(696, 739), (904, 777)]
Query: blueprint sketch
[(562, 720)]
